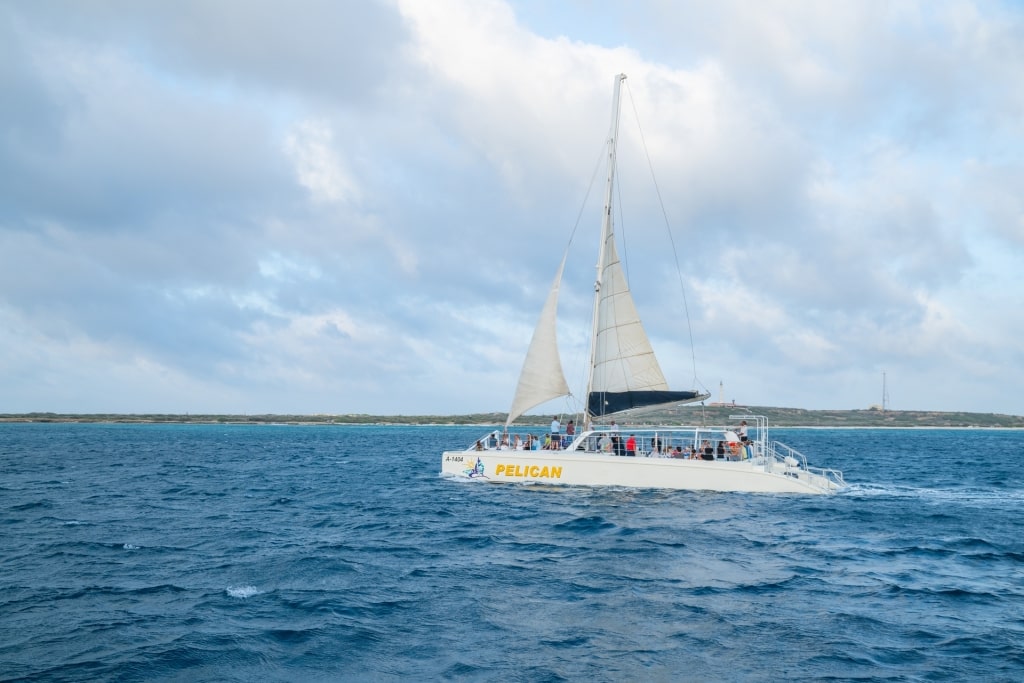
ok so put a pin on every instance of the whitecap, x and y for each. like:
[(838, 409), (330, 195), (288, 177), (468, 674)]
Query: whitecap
[(242, 591), (130, 546)]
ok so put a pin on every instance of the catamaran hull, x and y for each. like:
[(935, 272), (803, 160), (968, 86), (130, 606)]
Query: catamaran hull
[(590, 469)]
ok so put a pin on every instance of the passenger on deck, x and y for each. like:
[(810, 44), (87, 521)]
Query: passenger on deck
[(604, 444), (618, 445), (479, 445), (631, 446), (742, 431), (734, 453), (678, 452), (517, 443), (720, 450), (707, 451)]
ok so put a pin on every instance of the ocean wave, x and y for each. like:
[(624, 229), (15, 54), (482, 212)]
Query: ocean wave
[(247, 554)]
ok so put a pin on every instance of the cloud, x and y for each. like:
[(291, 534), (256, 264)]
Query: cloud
[(309, 145), (227, 207)]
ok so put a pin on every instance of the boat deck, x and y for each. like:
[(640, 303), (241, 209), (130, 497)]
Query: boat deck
[(684, 457)]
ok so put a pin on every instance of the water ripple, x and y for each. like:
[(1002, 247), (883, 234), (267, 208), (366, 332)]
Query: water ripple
[(237, 553)]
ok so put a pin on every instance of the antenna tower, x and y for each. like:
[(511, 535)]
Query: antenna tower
[(885, 395)]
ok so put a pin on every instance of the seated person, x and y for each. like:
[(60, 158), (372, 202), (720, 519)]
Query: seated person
[(707, 451)]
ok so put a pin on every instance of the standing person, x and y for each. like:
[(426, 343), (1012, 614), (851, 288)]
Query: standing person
[(570, 434), (631, 446), (556, 427), (742, 431)]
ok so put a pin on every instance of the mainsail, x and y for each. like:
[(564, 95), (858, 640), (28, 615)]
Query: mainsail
[(541, 378), (625, 374)]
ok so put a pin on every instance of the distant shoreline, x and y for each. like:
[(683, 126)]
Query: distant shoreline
[(484, 425), (710, 415)]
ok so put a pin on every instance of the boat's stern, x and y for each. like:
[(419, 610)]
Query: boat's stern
[(465, 464)]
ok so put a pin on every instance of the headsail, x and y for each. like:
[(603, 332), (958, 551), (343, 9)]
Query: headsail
[(541, 378)]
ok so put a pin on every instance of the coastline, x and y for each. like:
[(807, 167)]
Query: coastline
[(789, 418)]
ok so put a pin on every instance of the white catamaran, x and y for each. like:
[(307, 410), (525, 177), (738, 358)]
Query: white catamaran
[(625, 378)]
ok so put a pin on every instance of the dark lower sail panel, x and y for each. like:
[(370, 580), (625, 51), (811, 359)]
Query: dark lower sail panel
[(609, 403)]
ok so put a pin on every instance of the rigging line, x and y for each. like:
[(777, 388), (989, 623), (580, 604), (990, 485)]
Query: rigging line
[(668, 229), (598, 165), (583, 205)]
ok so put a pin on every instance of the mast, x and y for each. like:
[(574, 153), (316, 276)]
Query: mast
[(606, 233)]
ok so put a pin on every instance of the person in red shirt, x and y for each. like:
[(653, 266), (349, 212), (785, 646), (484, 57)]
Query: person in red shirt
[(631, 446)]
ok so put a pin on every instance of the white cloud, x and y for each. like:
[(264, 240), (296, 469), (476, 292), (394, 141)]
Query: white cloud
[(310, 145), (299, 211)]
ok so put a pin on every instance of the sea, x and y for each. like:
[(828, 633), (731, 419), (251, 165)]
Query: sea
[(174, 552)]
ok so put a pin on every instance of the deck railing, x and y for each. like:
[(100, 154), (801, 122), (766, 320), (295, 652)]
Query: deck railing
[(785, 455)]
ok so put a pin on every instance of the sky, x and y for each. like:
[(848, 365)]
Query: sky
[(224, 206)]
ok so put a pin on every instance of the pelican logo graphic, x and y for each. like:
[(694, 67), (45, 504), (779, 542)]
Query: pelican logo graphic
[(476, 470)]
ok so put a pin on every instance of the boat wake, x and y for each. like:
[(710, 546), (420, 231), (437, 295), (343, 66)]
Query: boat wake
[(985, 496)]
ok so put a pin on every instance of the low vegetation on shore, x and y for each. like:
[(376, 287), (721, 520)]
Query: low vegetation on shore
[(710, 415)]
